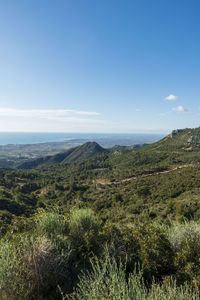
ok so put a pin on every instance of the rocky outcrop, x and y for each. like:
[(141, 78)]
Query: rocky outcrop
[(175, 132)]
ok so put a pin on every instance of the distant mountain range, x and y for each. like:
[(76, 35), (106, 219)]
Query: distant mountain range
[(182, 140), (74, 154)]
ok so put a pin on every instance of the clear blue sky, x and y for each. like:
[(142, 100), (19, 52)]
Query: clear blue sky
[(99, 65)]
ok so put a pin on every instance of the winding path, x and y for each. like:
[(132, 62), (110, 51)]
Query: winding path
[(106, 182)]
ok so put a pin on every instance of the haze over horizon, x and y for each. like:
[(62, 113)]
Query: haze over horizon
[(99, 66)]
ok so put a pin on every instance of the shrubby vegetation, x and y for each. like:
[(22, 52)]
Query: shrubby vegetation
[(120, 225), (77, 256), (108, 280)]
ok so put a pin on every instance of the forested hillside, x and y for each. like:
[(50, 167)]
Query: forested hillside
[(134, 212), (84, 151)]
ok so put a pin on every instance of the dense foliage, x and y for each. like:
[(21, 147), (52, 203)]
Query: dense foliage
[(129, 218)]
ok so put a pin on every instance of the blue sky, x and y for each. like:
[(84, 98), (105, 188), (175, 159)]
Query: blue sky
[(99, 65)]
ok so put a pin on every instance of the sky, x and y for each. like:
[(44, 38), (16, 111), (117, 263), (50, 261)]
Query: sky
[(104, 66)]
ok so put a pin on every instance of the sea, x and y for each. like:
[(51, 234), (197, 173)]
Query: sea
[(44, 137)]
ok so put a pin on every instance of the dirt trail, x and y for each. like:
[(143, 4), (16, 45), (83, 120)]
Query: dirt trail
[(107, 182)]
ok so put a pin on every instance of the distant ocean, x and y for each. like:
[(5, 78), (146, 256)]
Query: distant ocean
[(34, 138)]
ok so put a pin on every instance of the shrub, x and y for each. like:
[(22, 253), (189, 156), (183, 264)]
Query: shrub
[(108, 281), (179, 232), (51, 222), (156, 254), (84, 227), (185, 240), (123, 243), (31, 268)]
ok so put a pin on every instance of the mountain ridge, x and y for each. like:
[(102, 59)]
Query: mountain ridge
[(74, 154), (185, 140)]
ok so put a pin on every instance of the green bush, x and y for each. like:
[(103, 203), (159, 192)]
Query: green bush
[(123, 243), (84, 228), (179, 232), (31, 268), (156, 254), (185, 240), (108, 281), (51, 222)]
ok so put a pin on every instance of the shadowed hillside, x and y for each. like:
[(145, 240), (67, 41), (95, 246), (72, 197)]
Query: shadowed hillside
[(84, 151)]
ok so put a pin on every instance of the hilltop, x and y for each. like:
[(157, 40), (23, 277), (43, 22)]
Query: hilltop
[(79, 153), (180, 139)]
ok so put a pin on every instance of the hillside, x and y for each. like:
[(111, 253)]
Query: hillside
[(12, 153), (179, 147), (146, 178), (136, 202), (84, 151), (180, 139)]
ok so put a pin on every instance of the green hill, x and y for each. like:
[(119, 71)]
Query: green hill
[(84, 151), (181, 146), (181, 139)]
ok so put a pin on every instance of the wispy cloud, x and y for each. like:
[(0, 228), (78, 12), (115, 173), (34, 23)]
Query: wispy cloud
[(138, 109), (171, 97), (180, 109), (64, 115)]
